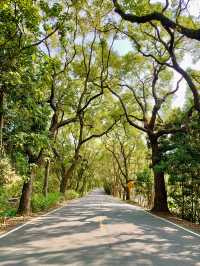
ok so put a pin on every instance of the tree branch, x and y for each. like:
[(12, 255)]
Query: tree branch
[(40, 41), (100, 134), (125, 112), (67, 122), (169, 131), (165, 21)]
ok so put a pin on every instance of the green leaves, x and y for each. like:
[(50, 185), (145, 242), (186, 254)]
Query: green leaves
[(141, 6), (51, 10), (182, 161), (7, 174), (144, 176)]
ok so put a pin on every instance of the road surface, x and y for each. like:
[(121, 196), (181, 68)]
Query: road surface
[(100, 230)]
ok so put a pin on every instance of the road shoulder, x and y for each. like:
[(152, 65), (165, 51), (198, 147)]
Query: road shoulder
[(173, 219)]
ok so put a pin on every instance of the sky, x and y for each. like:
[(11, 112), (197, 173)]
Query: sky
[(124, 46)]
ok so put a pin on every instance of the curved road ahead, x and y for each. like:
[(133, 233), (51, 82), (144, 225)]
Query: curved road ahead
[(100, 230)]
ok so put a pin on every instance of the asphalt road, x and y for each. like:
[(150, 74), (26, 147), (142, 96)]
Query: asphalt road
[(100, 230)]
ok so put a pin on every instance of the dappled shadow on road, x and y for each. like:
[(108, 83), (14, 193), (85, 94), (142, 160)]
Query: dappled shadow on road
[(100, 230)]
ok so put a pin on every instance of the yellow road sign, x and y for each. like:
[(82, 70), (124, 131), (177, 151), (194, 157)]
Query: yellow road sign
[(130, 185)]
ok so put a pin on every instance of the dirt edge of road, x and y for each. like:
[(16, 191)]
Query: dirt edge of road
[(177, 220), (173, 218), (9, 223)]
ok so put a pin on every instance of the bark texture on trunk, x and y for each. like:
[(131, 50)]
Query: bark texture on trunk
[(25, 200), (160, 194), (128, 194), (1, 119), (46, 178), (82, 190), (67, 175)]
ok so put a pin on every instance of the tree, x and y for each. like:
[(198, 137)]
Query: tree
[(90, 70), (27, 137), (124, 146), (24, 28), (79, 141), (148, 99)]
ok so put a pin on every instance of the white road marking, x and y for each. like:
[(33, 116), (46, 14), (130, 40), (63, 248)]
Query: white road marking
[(163, 219), (177, 225), (29, 222)]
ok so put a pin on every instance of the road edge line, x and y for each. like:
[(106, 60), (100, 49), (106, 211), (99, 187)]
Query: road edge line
[(30, 221), (177, 225), (165, 220)]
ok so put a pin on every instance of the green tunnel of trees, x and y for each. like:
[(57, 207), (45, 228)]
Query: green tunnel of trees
[(87, 99)]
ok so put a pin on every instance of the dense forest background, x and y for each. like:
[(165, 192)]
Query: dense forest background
[(75, 113)]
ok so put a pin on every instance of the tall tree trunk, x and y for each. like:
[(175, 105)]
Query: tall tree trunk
[(78, 183), (25, 200), (67, 175), (82, 190), (1, 119), (128, 197), (127, 192), (80, 177), (160, 193), (46, 178)]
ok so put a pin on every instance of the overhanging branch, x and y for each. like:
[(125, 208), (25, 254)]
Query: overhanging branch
[(165, 21), (100, 134), (125, 112)]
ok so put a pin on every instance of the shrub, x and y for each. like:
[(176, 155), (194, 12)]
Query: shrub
[(13, 190), (7, 175), (8, 213), (42, 203), (7, 208), (71, 194), (3, 199)]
